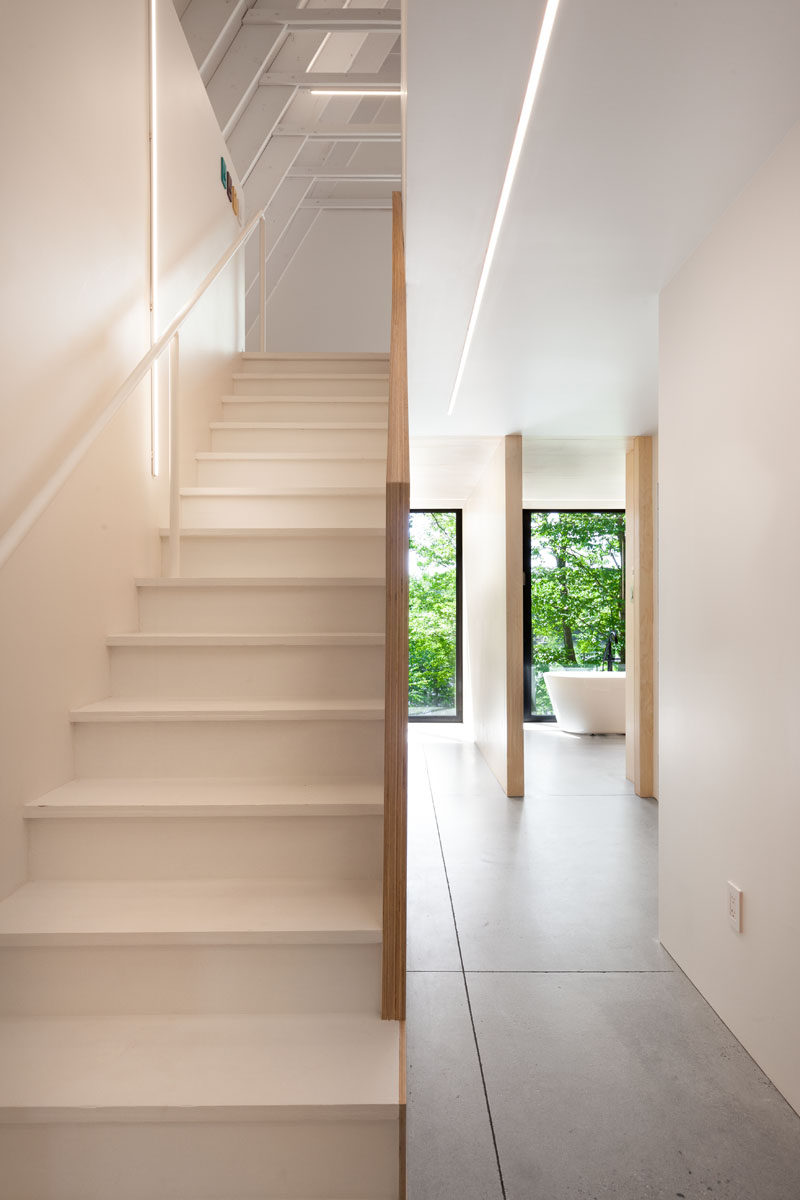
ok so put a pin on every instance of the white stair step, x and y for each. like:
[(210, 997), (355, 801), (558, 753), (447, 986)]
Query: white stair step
[(216, 739), (363, 437), (311, 383), (157, 709), (299, 667), (260, 469), (116, 799), (230, 912), (314, 605), (199, 1068), (305, 408), (280, 553), (301, 508), (186, 977), (183, 847), (263, 362), (205, 1160)]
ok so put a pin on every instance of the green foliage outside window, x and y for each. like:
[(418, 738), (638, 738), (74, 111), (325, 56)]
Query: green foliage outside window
[(432, 614), (577, 593)]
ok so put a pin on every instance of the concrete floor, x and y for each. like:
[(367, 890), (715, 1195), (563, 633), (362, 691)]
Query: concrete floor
[(555, 1051)]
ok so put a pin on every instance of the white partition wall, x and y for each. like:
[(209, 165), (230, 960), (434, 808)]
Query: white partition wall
[(729, 515), (492, 534)]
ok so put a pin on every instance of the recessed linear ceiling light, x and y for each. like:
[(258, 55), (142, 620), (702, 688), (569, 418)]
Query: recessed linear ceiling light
[(351, 92), (537, 67)]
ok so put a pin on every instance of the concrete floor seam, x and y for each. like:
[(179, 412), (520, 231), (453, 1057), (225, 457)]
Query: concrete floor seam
[(576, 971), (466, 985)]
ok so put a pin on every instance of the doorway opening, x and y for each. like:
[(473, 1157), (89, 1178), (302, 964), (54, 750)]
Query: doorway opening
[(574, 600), (435, 674)]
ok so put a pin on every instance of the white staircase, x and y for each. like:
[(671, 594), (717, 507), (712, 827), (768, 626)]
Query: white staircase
[(190, 978)]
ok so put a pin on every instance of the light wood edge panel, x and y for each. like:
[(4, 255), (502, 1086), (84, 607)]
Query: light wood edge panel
[(393, 961), (641, 635), (630, 619), (397, 453), (402, 1097), (515, 736)]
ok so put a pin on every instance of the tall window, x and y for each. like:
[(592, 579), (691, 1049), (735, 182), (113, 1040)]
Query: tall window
[(434, 615), (574, 597)]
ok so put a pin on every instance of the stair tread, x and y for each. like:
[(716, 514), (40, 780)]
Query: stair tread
[(383, 375), (194, 1065), (308, 398), (205, 797), (284, 531), (121, 708), (234, 425), (323, 493), (286, 456), (196, 911), (225, 581), (315, 355), (246, 639)]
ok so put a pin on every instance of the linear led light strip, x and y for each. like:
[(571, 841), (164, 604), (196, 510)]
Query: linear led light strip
[(513, 162), (155, 415)]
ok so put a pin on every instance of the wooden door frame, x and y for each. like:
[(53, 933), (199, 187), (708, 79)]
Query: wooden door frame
[(640, 715)]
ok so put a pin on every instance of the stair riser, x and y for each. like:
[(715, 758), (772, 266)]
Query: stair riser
[(290, 1160), (300, 441), (299, 473), (292, 512), (281, 409), (299, 365), (262, 610), (254, 672), (78, 981), (281, 751), (280, 558), (332, 385), (205, 848)]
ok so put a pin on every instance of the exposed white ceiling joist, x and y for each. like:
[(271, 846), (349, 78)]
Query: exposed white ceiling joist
[(256, 126), (328, 20), (270, 170), (339, 80), (349, 202), (210, 29), (338, 133), (354, 176), (287, 155), (236, 79)]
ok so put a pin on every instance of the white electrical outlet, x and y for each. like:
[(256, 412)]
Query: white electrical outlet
[(735, 906)]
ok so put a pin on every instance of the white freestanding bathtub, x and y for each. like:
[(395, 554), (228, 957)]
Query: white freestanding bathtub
[(588, 701)]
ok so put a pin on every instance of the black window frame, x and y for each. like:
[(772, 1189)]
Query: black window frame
[(528, 716), (458, 717)]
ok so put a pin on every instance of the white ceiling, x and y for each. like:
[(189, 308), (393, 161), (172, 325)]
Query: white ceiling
[(556, 472), (651, 117)]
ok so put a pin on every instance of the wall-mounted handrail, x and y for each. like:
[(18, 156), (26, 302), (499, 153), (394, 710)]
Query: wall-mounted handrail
[(393, 983), (31, 513)]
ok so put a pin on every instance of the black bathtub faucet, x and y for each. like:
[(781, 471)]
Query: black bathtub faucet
[(608, 654)]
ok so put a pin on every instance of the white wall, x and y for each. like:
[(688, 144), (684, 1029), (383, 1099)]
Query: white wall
[(73, 291), (729, 428), (336, 294), (492, 556), (573, 472)]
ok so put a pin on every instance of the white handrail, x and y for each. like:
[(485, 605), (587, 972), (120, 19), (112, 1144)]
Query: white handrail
[(31, 513)]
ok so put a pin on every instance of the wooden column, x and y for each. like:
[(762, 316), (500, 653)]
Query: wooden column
[(393, 975), (640, 609)]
